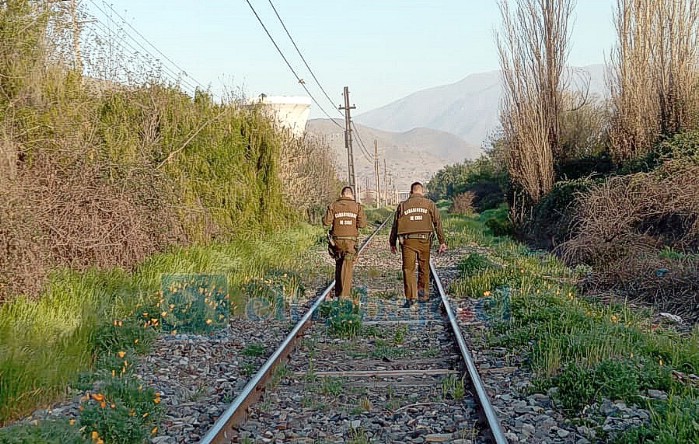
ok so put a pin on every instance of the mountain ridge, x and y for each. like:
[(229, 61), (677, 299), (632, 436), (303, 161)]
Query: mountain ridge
[(468, 108), (412, 155)]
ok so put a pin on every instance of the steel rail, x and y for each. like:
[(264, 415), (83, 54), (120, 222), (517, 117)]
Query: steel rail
[(493, 422), (237, 411)]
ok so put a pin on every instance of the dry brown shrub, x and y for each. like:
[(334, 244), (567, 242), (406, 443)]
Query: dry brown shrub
[(631, 215), (78, 216), (669, 284), (308, 173), (23, 259), (8, 161), (463, 203), (624, 226)]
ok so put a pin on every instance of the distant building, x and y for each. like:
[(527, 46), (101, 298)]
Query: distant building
[(289, 112)]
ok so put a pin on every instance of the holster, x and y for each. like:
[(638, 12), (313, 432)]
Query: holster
[(331, 246)]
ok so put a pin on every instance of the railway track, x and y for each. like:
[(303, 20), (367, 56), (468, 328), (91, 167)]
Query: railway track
[(405, 376)]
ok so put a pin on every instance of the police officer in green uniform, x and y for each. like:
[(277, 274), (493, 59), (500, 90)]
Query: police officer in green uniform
[(415, 220), (345, 216)]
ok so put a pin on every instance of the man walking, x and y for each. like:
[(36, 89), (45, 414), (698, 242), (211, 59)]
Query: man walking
[(345, 216), (415, 220)]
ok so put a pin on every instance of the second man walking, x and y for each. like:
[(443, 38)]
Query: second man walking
[(415, 220)]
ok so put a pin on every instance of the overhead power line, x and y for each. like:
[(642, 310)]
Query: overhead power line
[(291, 68), (363, 147), (302, 57), (169, 72), (182, 70), (126, 47)]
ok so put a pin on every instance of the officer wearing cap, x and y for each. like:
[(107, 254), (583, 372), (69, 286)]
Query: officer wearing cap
[(345, 216), (415, 220)]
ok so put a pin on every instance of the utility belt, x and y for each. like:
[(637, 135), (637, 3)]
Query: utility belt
[(332, 238), (424, 236)]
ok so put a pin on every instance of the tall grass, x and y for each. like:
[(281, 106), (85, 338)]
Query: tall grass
[(586, 349), (46, 343)]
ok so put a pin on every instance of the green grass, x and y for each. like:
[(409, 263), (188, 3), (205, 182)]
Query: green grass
[(672, 421), (254, 350), (586, 349), (342, 317), (83, 319), (46, 432), (453, 388)]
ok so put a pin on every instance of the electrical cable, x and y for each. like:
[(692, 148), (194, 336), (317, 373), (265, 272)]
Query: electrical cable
[(363, 148), (128, 48), (291, 68), (182, 70), (302, 57), (177, 75)]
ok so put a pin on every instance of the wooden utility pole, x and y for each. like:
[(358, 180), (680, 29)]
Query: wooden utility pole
[(76, 36), (376, 173), (348, 140), (385, 184)]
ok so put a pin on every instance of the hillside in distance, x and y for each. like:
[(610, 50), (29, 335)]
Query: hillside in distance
[(413, 155), (468, 108)]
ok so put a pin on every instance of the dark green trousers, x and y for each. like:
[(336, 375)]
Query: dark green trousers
[(345, 255), (416, 258)]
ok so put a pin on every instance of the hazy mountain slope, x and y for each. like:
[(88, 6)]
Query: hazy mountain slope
[(468, 108), (413, 155)]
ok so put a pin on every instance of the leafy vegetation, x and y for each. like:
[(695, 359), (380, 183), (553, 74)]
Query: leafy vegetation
[(119, 195), (89, 318), (579, 350), (484, 178), (343, 317)]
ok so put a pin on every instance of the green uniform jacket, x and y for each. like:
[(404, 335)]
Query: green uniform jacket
[(346, 217), (417, 214)]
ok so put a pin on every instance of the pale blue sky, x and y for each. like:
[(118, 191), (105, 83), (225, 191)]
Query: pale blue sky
[(382, 49)]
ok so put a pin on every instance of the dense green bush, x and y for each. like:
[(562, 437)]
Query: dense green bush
[(482, 177), (589, 166), (553, 217), (498, 221)]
